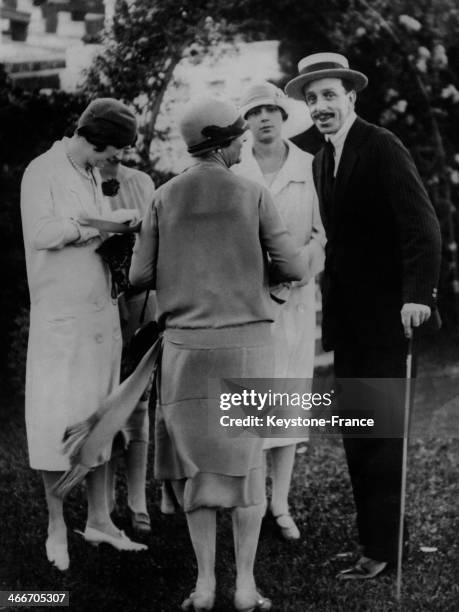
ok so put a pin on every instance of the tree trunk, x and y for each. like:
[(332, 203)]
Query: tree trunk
[(148, 130)]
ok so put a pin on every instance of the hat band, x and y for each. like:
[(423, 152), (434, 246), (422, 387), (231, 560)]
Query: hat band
[(323, 66), (217, 135)]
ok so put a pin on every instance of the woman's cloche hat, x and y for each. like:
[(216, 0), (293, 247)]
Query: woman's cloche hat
[(323, 66), (210, 123), (263, 94), (112, 120)]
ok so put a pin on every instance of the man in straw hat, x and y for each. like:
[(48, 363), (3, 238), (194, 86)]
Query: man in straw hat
[(381, 271)]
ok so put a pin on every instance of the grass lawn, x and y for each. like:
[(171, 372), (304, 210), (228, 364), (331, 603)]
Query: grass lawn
[(298, 577)]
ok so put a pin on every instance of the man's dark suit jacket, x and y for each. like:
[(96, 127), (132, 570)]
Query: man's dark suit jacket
[(311, 140), (384, 245)]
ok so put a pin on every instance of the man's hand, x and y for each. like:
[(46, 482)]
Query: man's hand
[(414, 315)]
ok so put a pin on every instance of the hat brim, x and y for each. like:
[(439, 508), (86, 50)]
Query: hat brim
[(261, 102), (295, 87), (207, 147)]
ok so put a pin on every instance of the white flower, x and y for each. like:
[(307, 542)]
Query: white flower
[(456, 158), (400, 106), (391, 94), (360, 32), (410, 23), (424, 53), (454, 176), (387, 117), (440, 58), (450, 92), (421, 65)]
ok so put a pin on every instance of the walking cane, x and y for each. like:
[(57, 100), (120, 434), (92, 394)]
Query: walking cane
[(408, 379)]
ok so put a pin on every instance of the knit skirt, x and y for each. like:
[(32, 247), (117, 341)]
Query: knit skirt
[(208, 467)]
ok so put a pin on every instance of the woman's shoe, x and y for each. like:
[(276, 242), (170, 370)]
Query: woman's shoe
[(120, 542), (364, 569), (250, 602), (287, 527), (199, 601), (57, 554), (140, 521)]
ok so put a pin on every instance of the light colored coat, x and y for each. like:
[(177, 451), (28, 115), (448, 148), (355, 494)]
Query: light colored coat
[(296, 200), (74, 340)]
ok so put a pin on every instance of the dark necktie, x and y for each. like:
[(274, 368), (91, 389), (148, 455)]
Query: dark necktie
[(329, 170)]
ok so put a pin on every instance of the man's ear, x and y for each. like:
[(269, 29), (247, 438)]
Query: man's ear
[(353, 96)]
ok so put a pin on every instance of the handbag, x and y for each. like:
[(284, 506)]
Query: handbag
[(116, 251)]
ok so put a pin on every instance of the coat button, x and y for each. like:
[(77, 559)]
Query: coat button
[(99, 338)]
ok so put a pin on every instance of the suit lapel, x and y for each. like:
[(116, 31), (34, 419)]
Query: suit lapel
[(349, 157), (319, 179), (351, 151)]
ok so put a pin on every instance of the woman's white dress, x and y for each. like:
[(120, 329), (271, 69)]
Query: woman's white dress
[(74, 349), (294, 329)]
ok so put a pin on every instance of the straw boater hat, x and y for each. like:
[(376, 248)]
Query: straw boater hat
[(263, 94), (210, 123), (323, 66)]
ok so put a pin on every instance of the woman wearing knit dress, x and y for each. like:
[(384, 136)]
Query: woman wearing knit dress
[(287, 171), (203, 246), (74, 346)]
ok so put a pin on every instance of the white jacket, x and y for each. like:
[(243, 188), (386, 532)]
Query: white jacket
[(74, 340), (294, 329)]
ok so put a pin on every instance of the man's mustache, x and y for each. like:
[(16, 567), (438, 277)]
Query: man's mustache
[(321, 115)]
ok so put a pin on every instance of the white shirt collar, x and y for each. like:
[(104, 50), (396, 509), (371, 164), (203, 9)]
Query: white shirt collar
[(339, 137)]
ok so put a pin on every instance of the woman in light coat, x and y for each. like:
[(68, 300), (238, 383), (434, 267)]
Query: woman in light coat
[(74, 340), (287, 172)]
